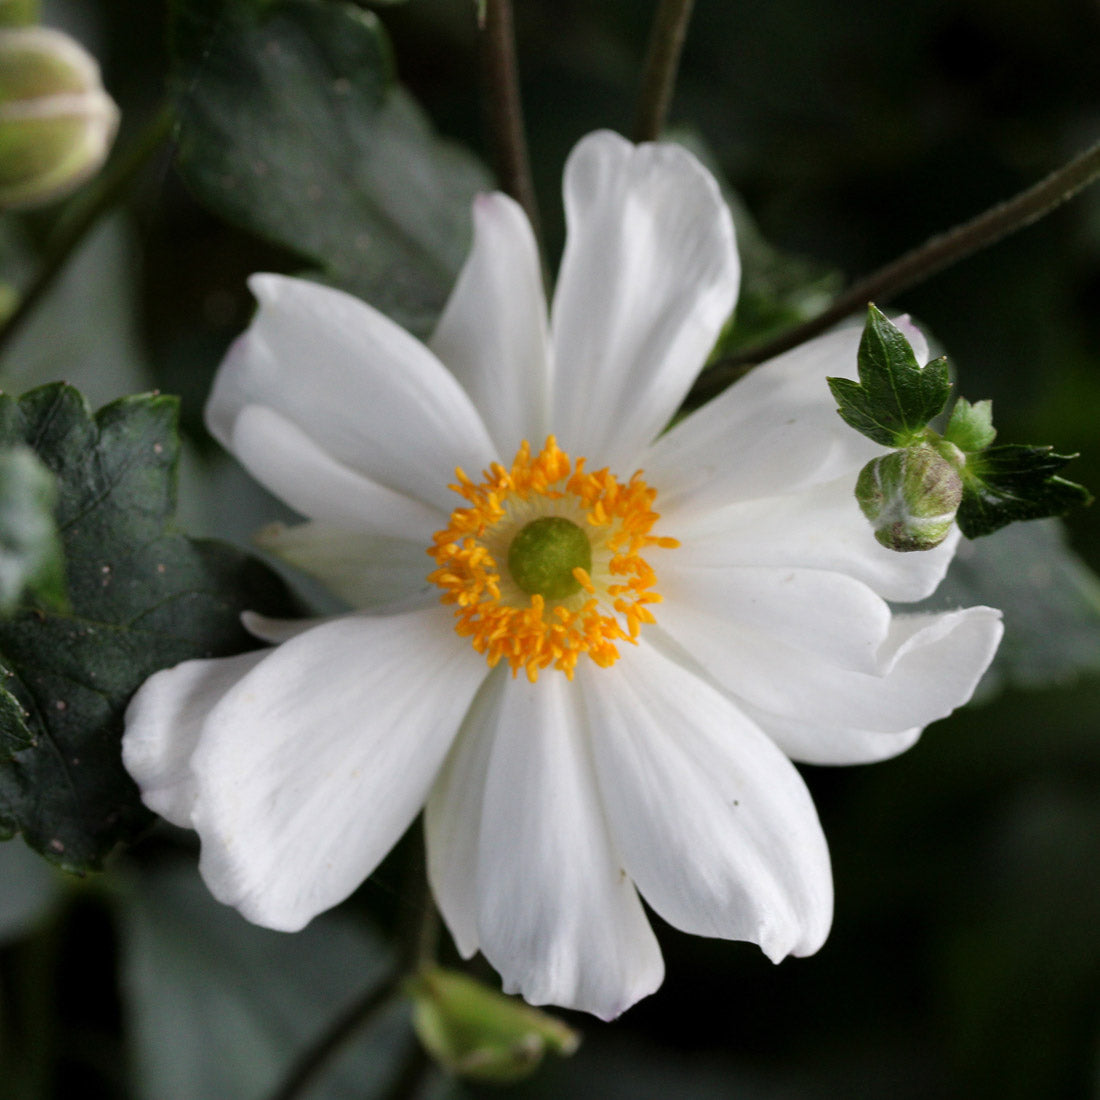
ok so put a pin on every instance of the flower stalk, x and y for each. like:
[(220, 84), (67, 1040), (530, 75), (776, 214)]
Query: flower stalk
[(911, 269), (504, 107), (666, 43)]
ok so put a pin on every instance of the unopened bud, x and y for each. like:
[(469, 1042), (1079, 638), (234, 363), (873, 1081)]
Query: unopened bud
[(910, 497), (479, 1033), (56, 121)]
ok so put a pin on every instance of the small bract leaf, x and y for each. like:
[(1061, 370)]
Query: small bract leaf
[(141, 597), (479, 1033), (1004, 484), (895, 397), (30, 550), (971, 426)]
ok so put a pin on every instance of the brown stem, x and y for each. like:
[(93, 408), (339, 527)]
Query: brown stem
[(914, 267), (498, 56), (666, 42)]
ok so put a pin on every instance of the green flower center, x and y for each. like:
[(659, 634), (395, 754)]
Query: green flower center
[(544, 554)]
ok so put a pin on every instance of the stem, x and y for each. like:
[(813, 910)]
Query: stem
[(104, 194), (666, 42), (914, 267), (498, 56), (304, 1072)]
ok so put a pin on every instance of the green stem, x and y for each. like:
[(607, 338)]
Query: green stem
[(305, 1071), (666, 42), (914, 267), (501, 73), (101, 196)]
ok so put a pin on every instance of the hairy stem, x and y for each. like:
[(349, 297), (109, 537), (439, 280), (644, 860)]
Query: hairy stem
[(501, 74), (914, 267), (666, 42), (102, 196)]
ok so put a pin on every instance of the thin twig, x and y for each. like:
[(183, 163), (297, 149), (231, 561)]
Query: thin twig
[(102, 196), (315, 1059), (914, 267), (501, 73), (666, 42)]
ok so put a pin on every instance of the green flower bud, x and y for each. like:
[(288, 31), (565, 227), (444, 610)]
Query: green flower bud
[(479, 1033), (910, 497), (56, 121)]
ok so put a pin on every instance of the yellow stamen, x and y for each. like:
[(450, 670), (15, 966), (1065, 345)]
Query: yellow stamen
[(507, 624)]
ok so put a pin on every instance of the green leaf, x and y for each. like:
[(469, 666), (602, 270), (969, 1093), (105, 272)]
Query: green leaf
[(30, 550), (895, 397), (141, 597), (1004, 484), (219, 1009), (291, 127), (971, 426)]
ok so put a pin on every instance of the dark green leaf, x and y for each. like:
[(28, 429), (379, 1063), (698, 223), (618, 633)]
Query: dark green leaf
[(30, 550), (142, 597), (895, 397), (291, 127), (1004, 484)]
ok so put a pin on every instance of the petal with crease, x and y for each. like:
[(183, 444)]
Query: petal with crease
[(356, 384), (714, 823), (164, 722), (493, 333), (314, 764), (368, 571), (928, 665), (558, 917), (648, 279)]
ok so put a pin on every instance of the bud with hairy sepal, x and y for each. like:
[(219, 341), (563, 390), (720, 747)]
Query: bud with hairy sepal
[(478, 1033), (56, 121), (910, 497)]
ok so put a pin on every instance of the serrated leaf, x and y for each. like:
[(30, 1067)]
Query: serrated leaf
[(141, 597), (1015, 482), (971, 426), (895, 397), (30, 550), (291, 126)]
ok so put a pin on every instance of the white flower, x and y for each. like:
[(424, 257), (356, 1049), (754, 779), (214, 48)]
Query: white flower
[(554, 797)]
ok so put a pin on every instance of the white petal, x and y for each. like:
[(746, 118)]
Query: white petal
[(312, 767), (493, 334), (558, 917), (368, 571), (163, 723), (806, 609), (452, 816), (811, 742), (928, 666), (820, 528), (277, 631), (714, 823), (296, 469), (357, 384), (649, 276)]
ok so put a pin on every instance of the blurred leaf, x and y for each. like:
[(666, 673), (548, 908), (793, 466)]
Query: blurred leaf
[(29, 887), (30, 550), (1049, 596), (290, 126), (142, 597), (219, 1008)]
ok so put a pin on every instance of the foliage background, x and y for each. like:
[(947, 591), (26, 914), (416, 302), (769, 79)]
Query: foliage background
[(965, 959)]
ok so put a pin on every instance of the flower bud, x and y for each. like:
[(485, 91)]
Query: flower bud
[(479, 1033), (910, 497), (56, 121)]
